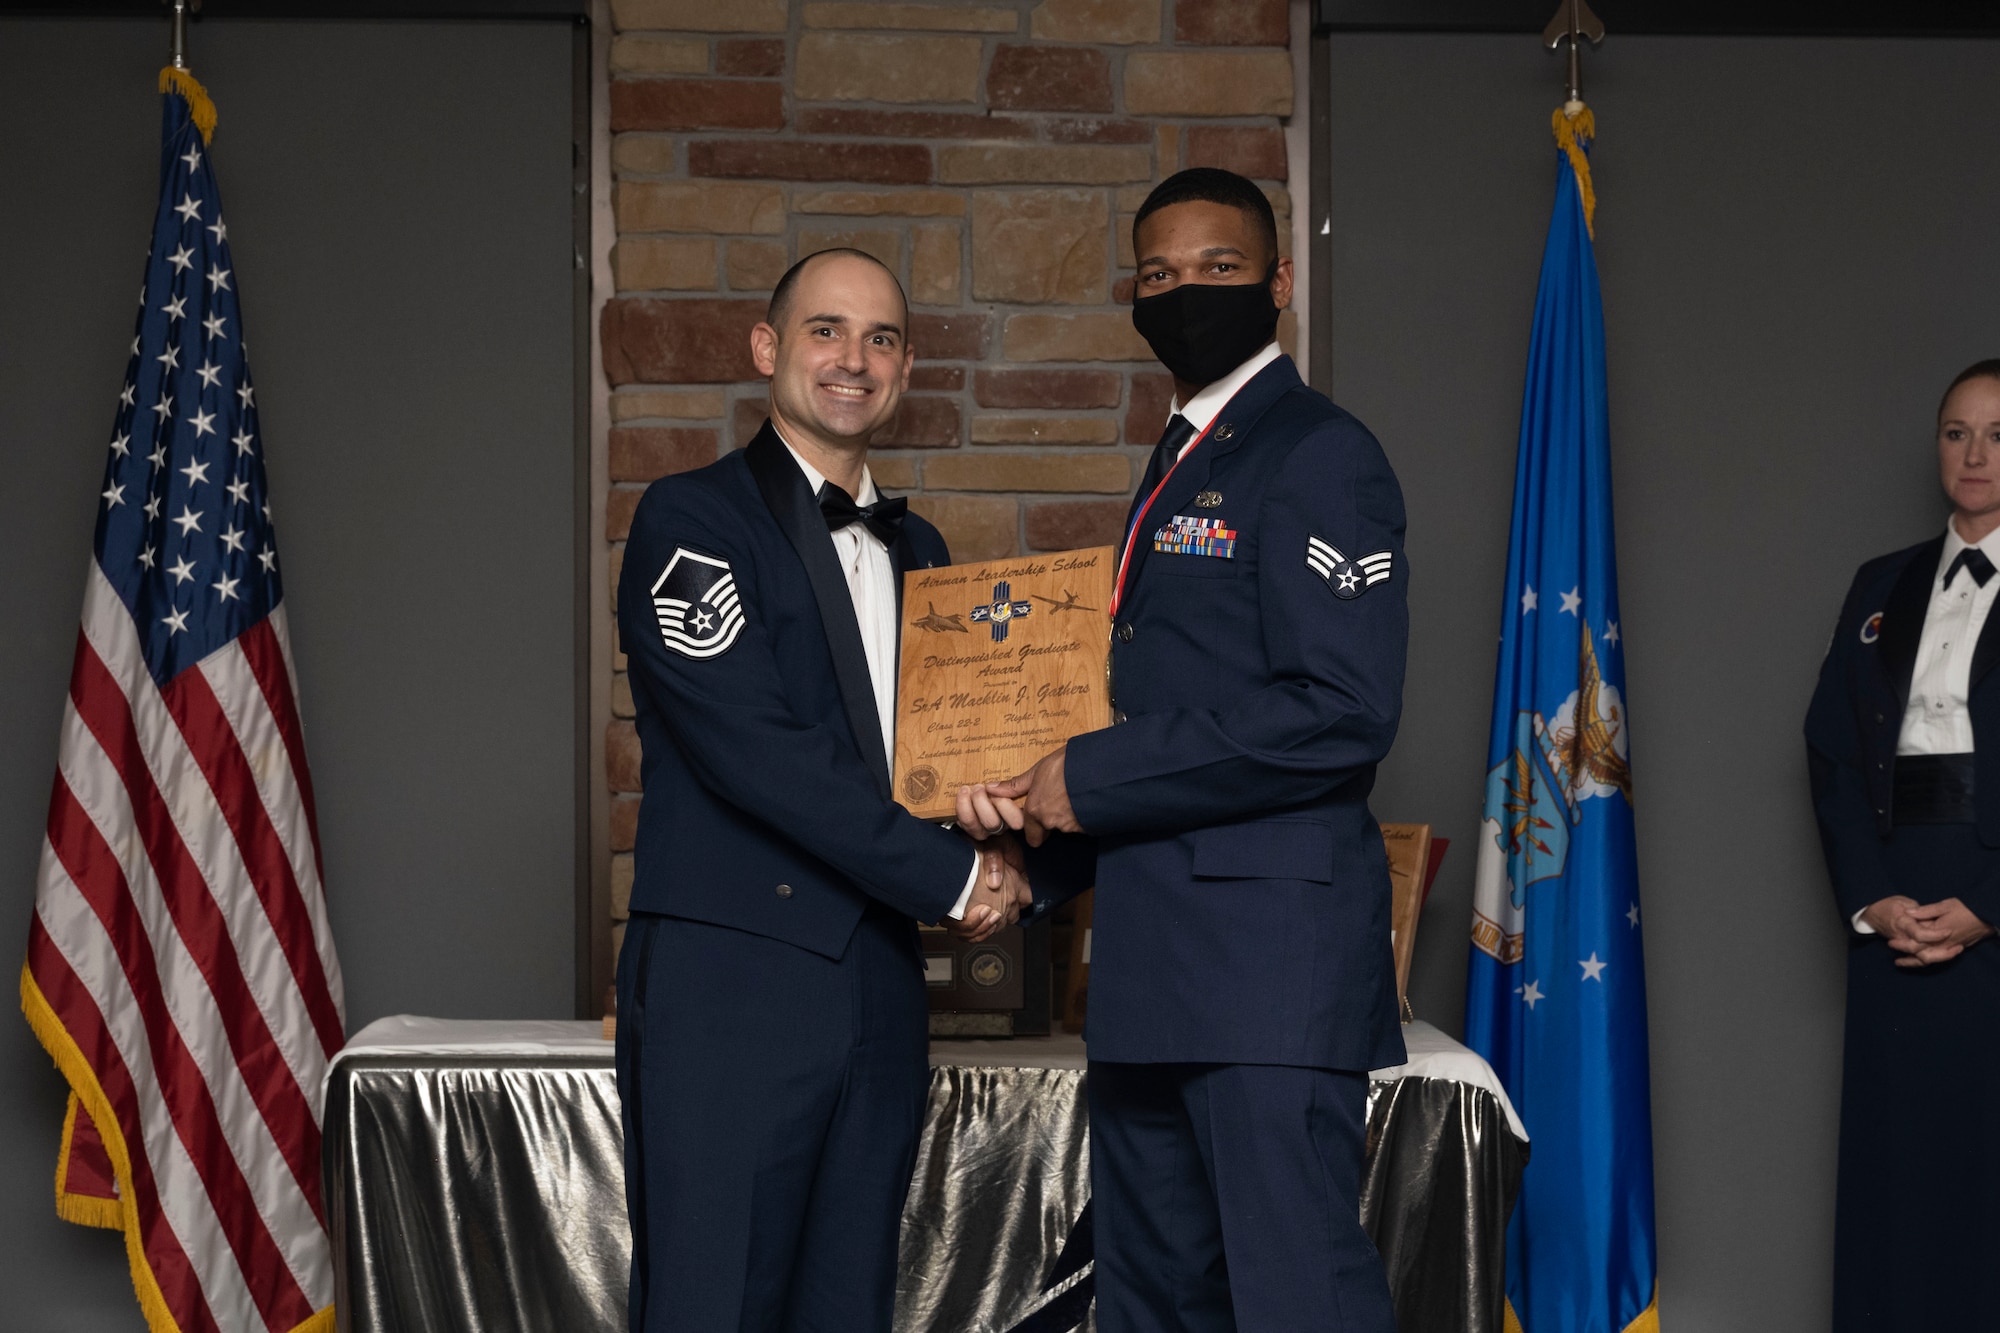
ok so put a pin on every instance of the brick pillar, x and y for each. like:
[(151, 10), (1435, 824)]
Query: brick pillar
[(993, 155)]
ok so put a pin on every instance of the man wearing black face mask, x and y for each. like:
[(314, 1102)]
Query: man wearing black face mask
[(1241, 980)]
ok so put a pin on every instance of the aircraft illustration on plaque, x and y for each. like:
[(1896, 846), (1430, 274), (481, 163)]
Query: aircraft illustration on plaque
[(938, 624), (1069, 602)]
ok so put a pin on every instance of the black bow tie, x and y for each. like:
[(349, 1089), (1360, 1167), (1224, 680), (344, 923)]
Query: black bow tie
[(884, 518), (1973, 561)]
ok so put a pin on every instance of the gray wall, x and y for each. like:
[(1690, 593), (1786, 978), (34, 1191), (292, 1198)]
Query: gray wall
[(1796, 245), (398, 201)]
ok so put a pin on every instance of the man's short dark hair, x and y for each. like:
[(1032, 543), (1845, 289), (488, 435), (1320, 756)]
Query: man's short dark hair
[(781, 295), (1213, 185), (1978, 370)]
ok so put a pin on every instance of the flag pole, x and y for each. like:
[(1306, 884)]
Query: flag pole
[(181, 10), (1575, 23)]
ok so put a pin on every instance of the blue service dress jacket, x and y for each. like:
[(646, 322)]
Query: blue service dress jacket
[(1242, 905), (1856, 718), (766, 801)]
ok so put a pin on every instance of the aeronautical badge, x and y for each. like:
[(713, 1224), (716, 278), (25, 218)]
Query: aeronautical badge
[(1347, 579), (696, 602), (1871, 628)]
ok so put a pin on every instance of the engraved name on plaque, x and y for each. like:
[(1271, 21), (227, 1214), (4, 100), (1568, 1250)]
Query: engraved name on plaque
[(1003, 661)]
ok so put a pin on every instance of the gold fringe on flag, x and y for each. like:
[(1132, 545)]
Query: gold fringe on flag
[(1648, 1320), (1573, 133), (199, 106), (84, 1087), (86, 1210), (87, 1092)]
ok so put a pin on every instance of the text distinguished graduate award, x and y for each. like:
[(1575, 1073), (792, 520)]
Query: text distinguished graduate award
[(1003, 661)]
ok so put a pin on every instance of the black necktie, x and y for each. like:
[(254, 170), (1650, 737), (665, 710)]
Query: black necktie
[(1178, 432), (1974, 562), (884, 518)]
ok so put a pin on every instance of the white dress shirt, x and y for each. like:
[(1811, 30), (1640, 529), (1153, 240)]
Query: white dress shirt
[(1202, 409), (1938, 718), (871, 582)]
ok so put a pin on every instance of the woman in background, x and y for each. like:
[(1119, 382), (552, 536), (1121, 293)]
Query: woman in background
[(1903, 743)]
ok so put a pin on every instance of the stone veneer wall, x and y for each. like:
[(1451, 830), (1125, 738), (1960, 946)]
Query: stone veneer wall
[(992, 154)]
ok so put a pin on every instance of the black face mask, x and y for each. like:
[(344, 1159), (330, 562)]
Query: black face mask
[(1202, 331)]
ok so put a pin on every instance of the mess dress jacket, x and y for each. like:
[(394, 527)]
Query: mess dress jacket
[(766, 801), (1856, 717)]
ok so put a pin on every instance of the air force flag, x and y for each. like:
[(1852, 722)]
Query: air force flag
[(1556, 991), (695, 600)]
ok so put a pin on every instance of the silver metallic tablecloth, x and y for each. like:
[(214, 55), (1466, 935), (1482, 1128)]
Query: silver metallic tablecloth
[(474, 1181)]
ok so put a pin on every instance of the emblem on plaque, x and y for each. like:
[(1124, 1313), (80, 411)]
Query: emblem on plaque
[(987, 968), (996, 613), (921, 784)]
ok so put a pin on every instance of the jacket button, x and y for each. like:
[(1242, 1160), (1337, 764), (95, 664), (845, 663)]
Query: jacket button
[(1879, 718), (1125, 632), (784, 890), (1118, 715)]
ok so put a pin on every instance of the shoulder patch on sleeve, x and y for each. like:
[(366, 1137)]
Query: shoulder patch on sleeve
[(1346, 579), (695, 599)]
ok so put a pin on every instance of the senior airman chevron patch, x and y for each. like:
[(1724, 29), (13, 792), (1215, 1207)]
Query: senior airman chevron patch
[(1346, 579)]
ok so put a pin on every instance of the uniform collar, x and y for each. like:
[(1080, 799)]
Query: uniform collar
[(1205, 406), (1953, 544), (814, 480)]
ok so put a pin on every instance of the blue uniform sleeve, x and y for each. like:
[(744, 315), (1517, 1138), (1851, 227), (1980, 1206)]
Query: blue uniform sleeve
[(1060, 869), (729, 715), (1834, 758), (1336, 665)]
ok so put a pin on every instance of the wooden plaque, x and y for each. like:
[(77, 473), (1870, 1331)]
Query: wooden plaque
[(1003, 661)]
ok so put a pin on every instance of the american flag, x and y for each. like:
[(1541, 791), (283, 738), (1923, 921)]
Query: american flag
[(180, 969)]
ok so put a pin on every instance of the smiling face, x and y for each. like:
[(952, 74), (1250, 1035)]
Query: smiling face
[(1968, 441), (841, 360)]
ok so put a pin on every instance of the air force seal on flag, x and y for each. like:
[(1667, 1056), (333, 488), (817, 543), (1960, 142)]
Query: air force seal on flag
[(695, 599), (1348, 579)]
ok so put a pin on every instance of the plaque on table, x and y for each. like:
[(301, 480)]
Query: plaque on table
[(1000, 987), (1003, 661), (985, 976)]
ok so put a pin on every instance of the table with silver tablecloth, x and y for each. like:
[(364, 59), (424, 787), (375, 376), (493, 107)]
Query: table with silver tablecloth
[(474, 1182)]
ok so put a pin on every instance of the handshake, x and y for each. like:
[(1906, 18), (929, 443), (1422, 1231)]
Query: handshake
[(1032, 806)]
